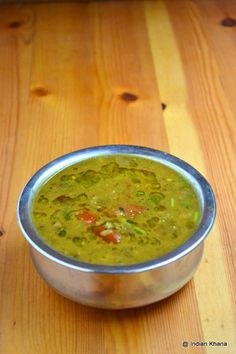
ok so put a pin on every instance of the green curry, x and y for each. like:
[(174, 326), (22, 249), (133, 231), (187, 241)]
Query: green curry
[(116, 210)]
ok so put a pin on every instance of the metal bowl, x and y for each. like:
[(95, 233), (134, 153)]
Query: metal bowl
[(117, 287)]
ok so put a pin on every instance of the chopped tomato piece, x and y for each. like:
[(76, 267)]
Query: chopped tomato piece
[(98, 229), (132, 210), (109, 237), (112, 237), (87, 217)]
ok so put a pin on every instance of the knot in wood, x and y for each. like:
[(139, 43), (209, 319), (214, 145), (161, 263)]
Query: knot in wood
[(163, 106), (228, 22), (128, 97), (40, 91), (15, 24)]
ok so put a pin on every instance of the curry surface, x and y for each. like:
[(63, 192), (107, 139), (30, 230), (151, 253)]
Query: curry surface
[(116, 210)]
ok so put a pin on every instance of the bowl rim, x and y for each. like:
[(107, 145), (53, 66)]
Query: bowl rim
[(199, 183)]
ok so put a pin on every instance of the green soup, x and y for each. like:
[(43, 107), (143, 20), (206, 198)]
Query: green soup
[(116, 210)]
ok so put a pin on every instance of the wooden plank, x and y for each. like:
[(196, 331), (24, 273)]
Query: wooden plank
[(206, 100), (70, 95)]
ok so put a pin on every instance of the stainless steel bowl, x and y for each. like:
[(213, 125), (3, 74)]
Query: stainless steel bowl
[(117, 287)]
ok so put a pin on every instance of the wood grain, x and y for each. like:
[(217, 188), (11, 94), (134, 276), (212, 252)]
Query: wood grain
[(154, 73)]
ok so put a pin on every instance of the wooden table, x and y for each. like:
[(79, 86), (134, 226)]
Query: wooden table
[(155, 73)]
